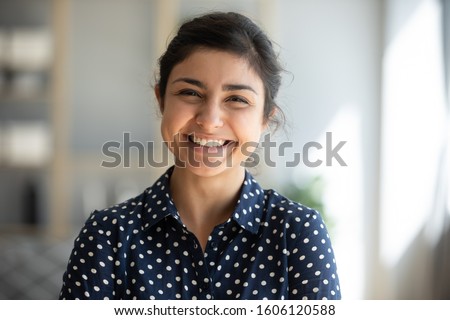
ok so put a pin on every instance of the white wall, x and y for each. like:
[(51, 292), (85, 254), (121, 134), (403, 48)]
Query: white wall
[(111, 71)]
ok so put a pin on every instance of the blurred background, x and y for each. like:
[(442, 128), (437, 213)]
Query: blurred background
[(75, 74)]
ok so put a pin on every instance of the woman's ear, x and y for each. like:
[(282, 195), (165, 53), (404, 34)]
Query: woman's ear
[(159, 98), (268, 120)]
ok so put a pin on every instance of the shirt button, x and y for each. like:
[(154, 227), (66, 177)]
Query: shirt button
[(213, 244)]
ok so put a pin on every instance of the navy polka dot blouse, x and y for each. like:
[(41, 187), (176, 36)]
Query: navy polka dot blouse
[(270, 248)]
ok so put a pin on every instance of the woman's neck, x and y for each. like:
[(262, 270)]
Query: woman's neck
[(205, 202)]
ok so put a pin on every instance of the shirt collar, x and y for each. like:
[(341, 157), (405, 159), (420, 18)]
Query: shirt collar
[(158, 202), (248, 210), (247, 213)]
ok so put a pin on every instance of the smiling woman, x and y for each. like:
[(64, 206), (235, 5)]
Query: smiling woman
[(206, 229)]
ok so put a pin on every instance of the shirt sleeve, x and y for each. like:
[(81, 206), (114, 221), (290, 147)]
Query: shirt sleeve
[(91, 271), (312, 272)]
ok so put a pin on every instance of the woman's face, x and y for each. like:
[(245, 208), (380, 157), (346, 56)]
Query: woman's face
[(212, 112)]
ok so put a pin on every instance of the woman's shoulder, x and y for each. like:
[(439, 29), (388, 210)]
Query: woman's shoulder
[(132, 209), (278, 208), (120, 216)]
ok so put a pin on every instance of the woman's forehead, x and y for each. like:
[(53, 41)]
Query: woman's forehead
[(216, 64)]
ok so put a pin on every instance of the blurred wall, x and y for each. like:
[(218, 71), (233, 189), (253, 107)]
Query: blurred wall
[(111, 65)]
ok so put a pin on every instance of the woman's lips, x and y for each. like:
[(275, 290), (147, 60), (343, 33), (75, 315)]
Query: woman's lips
[(206, 151)]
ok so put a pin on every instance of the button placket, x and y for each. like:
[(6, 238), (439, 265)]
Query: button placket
[(202, 272)]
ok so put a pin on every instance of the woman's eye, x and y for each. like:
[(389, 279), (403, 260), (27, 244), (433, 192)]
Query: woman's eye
[(189, 93), (238, 100)]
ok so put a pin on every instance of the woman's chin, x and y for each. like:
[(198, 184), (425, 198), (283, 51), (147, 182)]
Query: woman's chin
[(208, 168)]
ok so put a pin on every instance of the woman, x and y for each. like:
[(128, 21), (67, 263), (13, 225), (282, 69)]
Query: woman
[(206, 229)]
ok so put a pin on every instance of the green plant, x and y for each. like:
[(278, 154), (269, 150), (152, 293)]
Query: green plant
[(309, 194)]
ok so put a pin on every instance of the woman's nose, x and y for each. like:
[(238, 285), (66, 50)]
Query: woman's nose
[(209, 116)]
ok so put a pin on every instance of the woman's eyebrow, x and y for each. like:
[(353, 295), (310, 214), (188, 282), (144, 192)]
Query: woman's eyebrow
[(194, 82), (226, 87), (236, 87)]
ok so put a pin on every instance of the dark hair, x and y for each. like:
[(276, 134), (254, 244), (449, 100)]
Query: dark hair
[(234, 33)]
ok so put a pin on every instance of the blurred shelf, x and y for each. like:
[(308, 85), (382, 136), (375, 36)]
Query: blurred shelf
[(23, 167), (16, 228), (14, 99)]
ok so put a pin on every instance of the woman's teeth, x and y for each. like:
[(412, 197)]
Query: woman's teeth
[(207, 142)]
